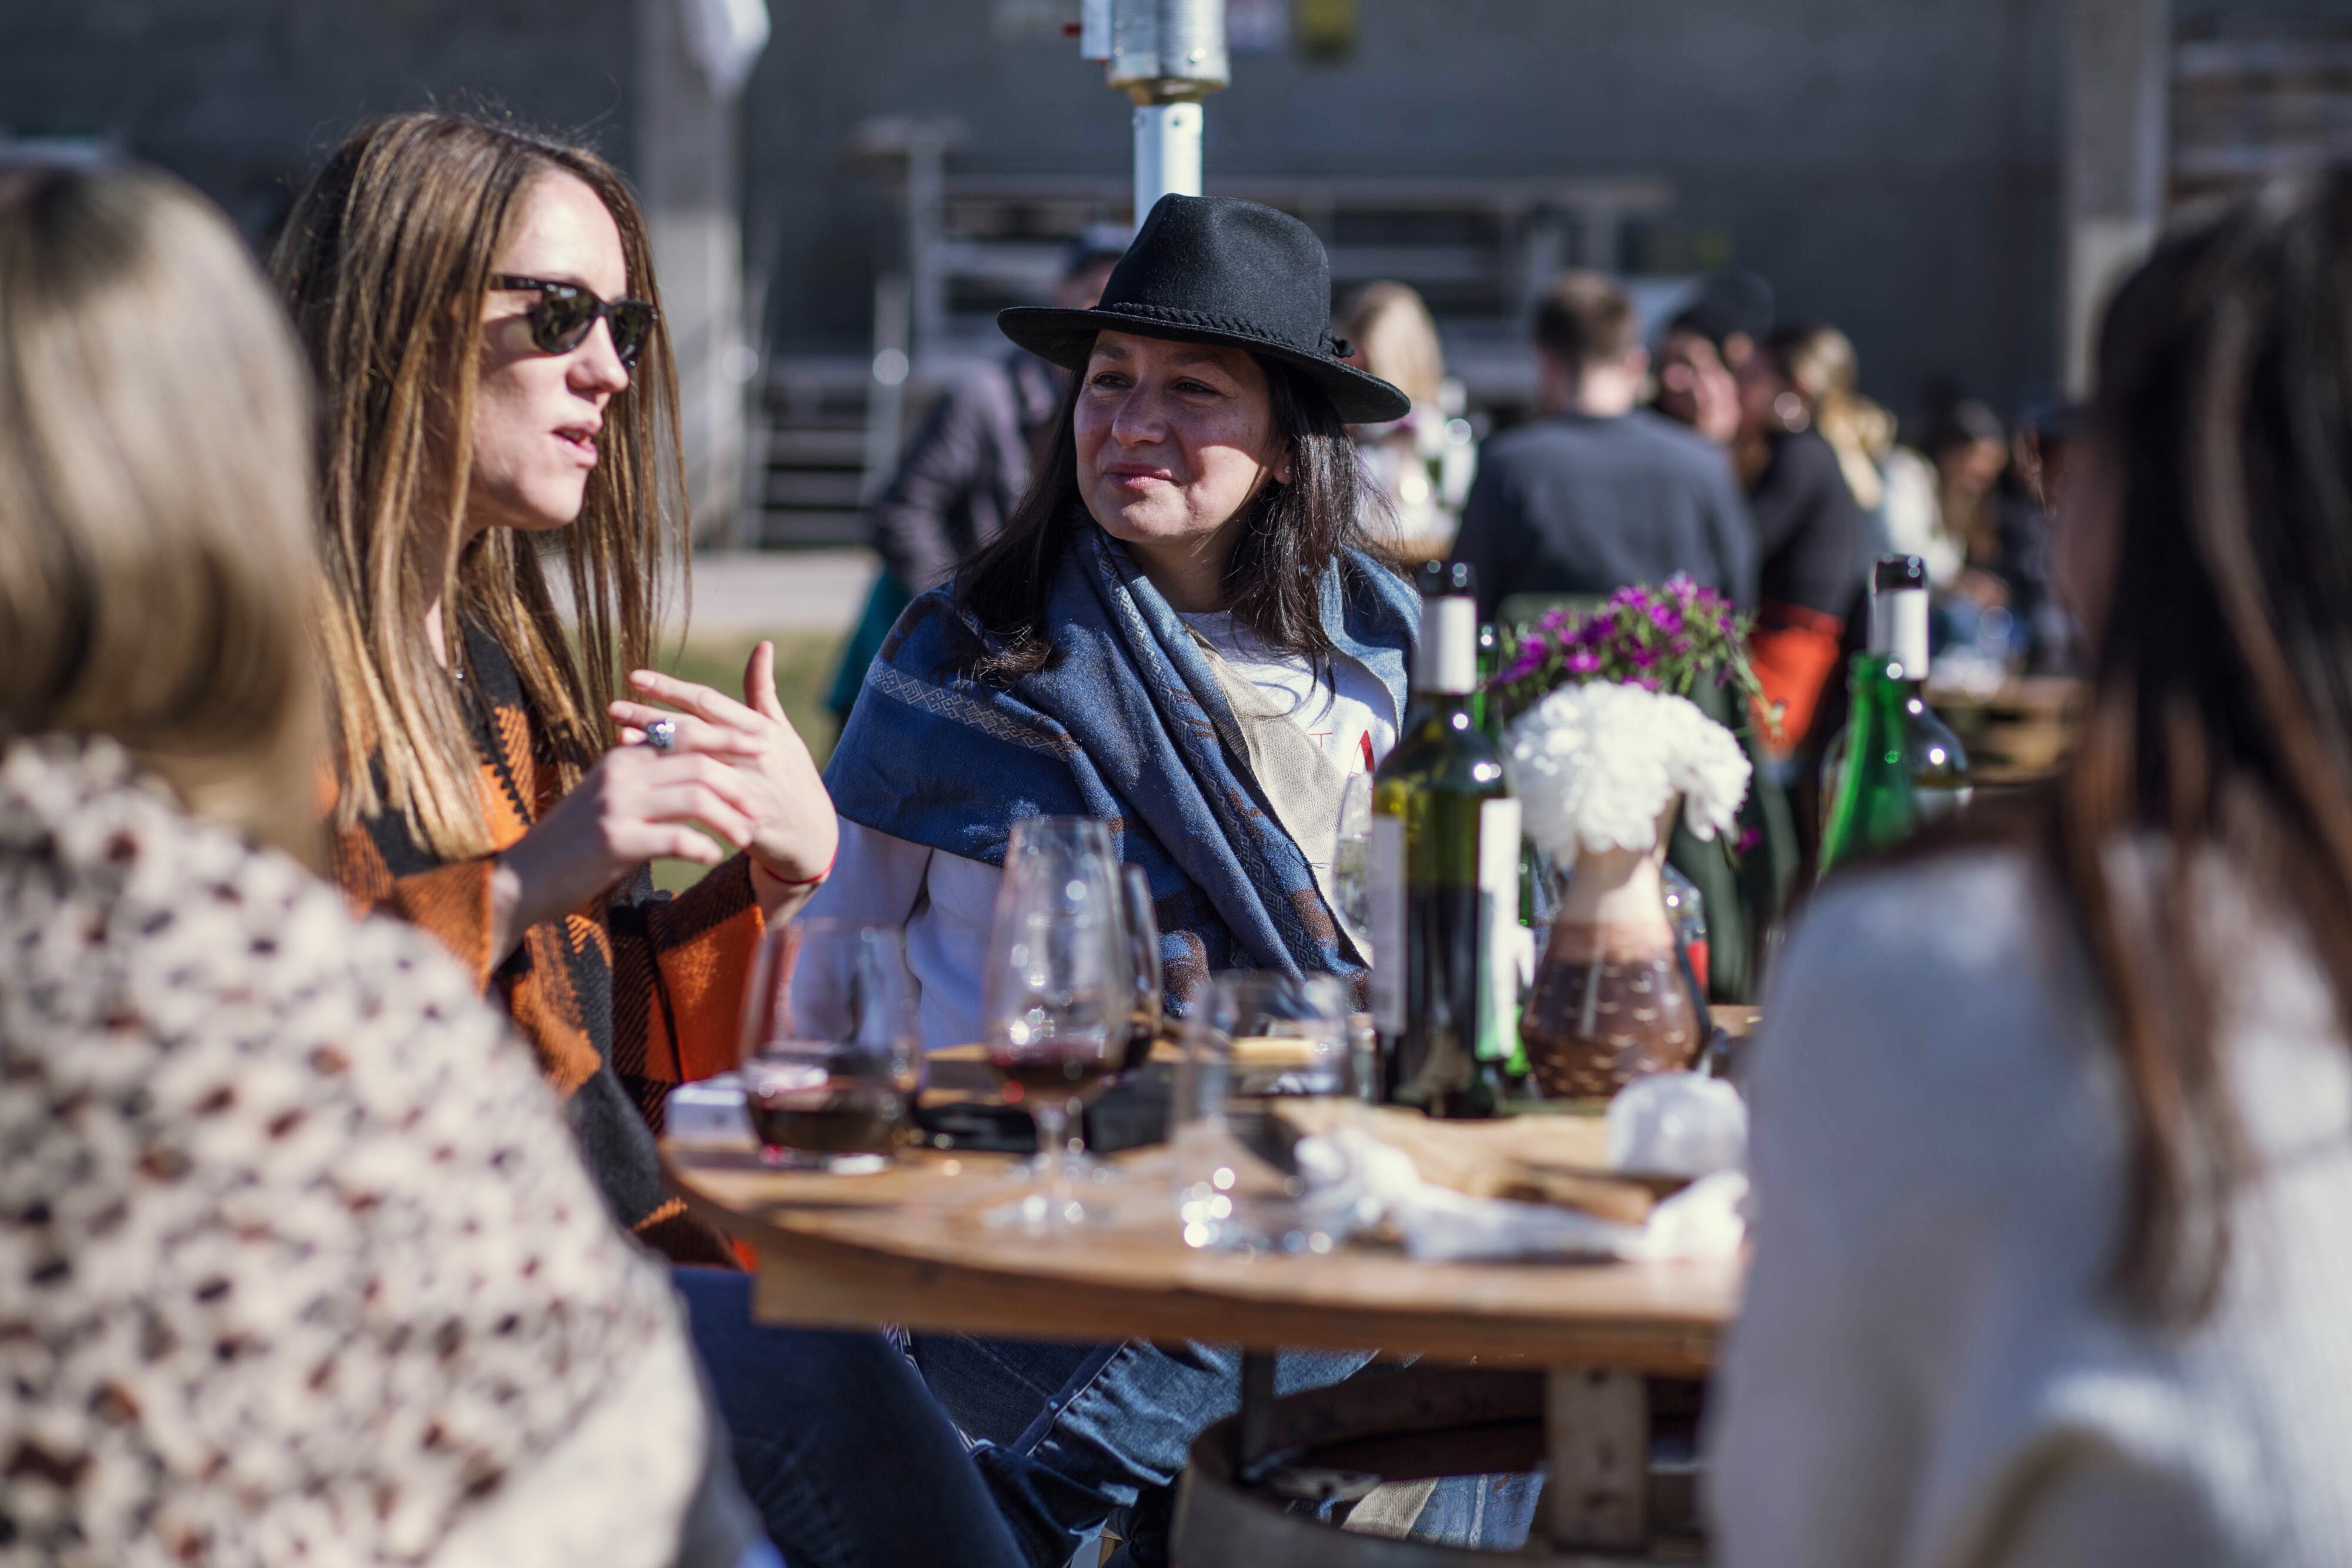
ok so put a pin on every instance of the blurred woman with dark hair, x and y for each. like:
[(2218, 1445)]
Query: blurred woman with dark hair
[(2052, 1146), (1809, 524)]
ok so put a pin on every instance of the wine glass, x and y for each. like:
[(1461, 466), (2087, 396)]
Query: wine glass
[(1258, 1036), (1056, 996), (831, 1048), (1144, 967), (1351, 862)]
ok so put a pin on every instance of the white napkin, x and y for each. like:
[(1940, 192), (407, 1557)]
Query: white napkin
[(1439, 1225)]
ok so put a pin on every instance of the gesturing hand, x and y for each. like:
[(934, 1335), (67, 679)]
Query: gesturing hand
[(634, 805), (793, 833)]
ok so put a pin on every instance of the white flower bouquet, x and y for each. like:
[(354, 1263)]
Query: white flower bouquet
[(1597, 765)]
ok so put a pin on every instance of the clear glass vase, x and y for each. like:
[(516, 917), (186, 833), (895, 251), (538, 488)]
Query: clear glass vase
[(1610, 1002)]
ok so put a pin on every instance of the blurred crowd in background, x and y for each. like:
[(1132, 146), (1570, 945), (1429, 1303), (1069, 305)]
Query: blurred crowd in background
[(1620, 474)]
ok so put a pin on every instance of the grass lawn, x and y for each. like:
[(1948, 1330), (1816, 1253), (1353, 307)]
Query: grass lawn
[(804, 663)]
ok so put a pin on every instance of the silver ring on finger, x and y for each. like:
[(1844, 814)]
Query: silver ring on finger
[(661, 734)]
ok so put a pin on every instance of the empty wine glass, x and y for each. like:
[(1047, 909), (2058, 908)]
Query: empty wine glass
[(1144, 967), (1257, 1037), (1351, 871), (1057, 996), (831, 1049)]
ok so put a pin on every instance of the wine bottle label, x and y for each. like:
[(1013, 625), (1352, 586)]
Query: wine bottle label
[(1385, 877), (1499, 930), (1899, 628), (1448, 658)]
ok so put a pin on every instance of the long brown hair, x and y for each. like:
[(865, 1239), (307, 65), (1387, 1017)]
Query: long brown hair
[(1819, 361), (1273, 577), (156, 566), (2219, 723), (384, 263)]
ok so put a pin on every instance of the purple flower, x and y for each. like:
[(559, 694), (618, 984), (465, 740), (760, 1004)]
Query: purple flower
[(1583, 662), (1665, 618), (1647, 682), (1553, 620), (1526, 664), (1680, 647), (1643, 658)]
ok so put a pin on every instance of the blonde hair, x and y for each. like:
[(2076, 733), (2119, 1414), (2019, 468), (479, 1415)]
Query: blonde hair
[(384, 263), (156, 567), (1391, 329), (1820, 363)]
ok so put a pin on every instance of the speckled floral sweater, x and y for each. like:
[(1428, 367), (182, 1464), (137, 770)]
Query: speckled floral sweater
[(298, 1260)]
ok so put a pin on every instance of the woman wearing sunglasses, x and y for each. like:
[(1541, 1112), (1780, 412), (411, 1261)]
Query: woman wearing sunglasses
[(479, 307), (480, 310)]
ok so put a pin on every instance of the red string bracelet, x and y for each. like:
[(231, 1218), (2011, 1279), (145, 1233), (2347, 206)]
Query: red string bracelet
[(806, 880)]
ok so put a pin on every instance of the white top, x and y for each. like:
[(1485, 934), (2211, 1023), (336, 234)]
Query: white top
[(946, 902), (1350, 716), (1927, 1369)]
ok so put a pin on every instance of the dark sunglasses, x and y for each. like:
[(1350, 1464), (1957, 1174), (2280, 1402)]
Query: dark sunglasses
[(566, 313)]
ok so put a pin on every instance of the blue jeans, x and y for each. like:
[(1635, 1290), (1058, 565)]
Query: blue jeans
[(1067, 1434), (843, 1453)]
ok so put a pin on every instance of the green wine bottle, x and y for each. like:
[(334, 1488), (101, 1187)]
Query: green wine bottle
[(1484, 711), (1898, 631), (1444, 877), (1875, 803)]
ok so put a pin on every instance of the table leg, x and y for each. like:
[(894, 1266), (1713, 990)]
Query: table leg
[(1597, 1429), (1256, 1425)]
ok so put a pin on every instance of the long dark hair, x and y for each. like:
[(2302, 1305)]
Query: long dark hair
[(1272, 579), (2220, 715)]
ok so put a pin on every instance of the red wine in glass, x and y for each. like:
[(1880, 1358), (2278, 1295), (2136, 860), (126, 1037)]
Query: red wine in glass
[(1055, 1070), (808, 1116)]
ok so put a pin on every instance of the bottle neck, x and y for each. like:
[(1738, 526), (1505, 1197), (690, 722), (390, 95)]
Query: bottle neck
[(1882, 689), (1446, 664), (1899, 630)]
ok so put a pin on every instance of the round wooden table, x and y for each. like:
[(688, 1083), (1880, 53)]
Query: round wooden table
[(1562, 1354)]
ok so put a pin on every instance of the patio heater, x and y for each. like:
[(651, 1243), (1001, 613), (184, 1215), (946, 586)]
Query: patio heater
[(1167, 55)]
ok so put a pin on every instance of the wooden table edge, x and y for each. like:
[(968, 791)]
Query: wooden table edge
[(818, 1282)]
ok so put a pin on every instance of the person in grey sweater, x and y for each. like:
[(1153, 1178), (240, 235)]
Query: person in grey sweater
[(2052, 1142), (1597, 493)]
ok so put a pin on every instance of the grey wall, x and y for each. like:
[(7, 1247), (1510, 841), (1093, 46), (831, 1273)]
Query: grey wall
[(1891, 166), (241, 97)]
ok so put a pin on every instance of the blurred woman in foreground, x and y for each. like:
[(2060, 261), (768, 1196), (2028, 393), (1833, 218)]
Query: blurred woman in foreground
[(2054, 1127), (296, 1261)]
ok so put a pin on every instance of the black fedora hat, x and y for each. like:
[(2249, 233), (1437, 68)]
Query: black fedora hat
[(1214, 269)]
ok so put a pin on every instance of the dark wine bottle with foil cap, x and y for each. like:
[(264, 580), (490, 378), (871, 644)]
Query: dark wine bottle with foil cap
[(1443, 863)]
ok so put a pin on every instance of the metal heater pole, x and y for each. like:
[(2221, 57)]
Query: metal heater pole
[(1166, 55)]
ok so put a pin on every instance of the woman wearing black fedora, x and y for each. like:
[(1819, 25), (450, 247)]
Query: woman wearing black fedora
[(1179, 632)]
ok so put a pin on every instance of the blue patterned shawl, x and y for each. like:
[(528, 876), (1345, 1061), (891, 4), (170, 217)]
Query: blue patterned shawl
[(1126, 723)]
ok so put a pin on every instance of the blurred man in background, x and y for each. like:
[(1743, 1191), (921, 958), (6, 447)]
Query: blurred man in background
[(966, 468), (1598, 494)]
